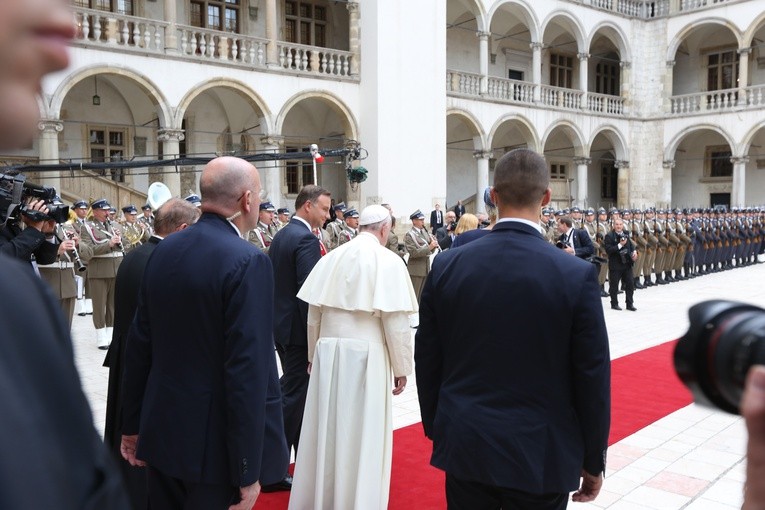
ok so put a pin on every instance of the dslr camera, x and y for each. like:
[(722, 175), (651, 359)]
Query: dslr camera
[(724, 340), (15, 191), (624, 252), (451, 226)]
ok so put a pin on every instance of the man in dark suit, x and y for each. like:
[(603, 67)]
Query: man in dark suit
[(445, 235), (575, 241), (436, 219), (51, 456), (621, 256), (200, 388), (174, 215), (293, 253), (459, 209), (521, 411)]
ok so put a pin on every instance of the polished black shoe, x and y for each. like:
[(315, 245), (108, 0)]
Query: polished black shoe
[(616, 307), (603, 293), (631, 308), (639, 285), (662, 282), (82, 314), (284, 485)]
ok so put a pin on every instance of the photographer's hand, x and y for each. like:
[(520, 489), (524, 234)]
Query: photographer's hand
[(36, 205), (753, 410)]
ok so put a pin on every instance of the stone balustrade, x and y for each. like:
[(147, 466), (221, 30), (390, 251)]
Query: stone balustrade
[(605, 104), (692, 5), (110, 29), (463, 83), (510, 90), (203, 44), (89, 185), (704, 102), (314, 60), (568, 99)]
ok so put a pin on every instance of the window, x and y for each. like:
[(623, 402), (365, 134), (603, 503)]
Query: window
[(107, 144), (298, 173), (717, 162), (608, 181), (116, 6), (512, 74), (561, 70), (305, 23), (220, 15), (557, 171), (722, 70), (607, 78)]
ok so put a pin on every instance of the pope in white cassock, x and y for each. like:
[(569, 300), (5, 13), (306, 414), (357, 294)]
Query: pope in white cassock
[(360, 347)]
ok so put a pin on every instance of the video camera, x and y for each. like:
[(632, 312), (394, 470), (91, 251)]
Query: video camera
[(15, 191), (712, 359)]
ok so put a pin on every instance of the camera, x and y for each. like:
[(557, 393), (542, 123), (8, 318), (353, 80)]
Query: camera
[(560, 244), (451, 226), (724, 340), (15, 190)]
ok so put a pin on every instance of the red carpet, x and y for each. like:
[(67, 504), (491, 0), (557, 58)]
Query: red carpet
[(644, 388)]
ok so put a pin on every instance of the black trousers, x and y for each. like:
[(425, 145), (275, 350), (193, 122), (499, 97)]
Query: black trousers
[(294, 384), (168, 493), (616, 275), (464, 495)]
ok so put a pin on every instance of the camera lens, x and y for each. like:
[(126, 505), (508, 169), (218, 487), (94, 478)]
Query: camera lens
[(723, 341)]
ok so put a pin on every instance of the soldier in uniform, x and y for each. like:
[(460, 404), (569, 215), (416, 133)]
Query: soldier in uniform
[(134, 233), (282, 217), (549, 225), (83, 305), (638, 238), (603, 229), (147, 219), (591, 226), (420, 245), (576, 217), (683, 233), (678, 248), (350, 229), (60, 274), (392, 244), (652, 259), (336, 226), (262, 235), (101, 249), (664, 253), (194, 199)]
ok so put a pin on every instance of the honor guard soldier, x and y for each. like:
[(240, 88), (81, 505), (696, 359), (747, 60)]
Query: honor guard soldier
[(282, 217), (101, 248), (335, 227), (133, 232), (603, 229), (641, 245), (84, 305), (350, 230), (576, 217), (652, 250), (420, 245), (262, 235)]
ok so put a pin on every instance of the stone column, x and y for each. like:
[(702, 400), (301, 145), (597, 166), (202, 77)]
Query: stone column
[(625, 89), (743, 74), (171, 139), (583, 78), (668, 73), (665, 189), (536, 69), (171, 30), (483, 59), (738, 195), (48, 150), (622, 183), (482, 177), (581, 180), (271, 173), (354, 34), (272, 33)]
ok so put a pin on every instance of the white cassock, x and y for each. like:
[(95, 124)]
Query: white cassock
[(360, 298)]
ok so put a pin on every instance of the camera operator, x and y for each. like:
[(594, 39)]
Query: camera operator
[(574, 241), (621, 256), (445, 234), (29, 243)]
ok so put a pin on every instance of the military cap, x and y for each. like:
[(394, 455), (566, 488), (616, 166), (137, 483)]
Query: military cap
[(146, 207), (267, 206), (194, 199), (637, 211), (575, 209), (566, 211), (353, 213), (130, 209), (602, 210), (613, 210), (650, 209), (80, 204), (112, 209), (487, 197), (417, 215), (340, 207), (282, 210), (589, 211), (560, 213), (546, 212), (101, 203)]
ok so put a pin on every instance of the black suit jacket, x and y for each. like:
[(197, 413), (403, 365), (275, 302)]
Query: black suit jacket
[(293, 253), (444, 238), (201, 386), (459, 210), (611, 244), (435, 222), (51, 455), (22, 244), (582, 243), (521, 401)]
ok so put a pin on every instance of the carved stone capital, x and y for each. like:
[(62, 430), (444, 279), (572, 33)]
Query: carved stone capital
[(353, 7), (739, 160), (50, 125), (744, 51), (537, 46), (625, 64), (583, 56), (670, 63), (668, 163), (620, 163), (582, 161), (483, 154), (169, 135), (484, 36), (273, 141)]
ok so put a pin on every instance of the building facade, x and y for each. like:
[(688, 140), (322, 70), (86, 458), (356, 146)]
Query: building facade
[(632, 102)]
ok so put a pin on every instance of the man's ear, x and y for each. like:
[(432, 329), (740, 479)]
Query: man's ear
[(546, 197)]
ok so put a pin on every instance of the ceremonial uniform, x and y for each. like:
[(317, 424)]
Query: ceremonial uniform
[(345, 235), (103, 261), (262, 236), (417, 242), (336, 226), (60, 275)]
